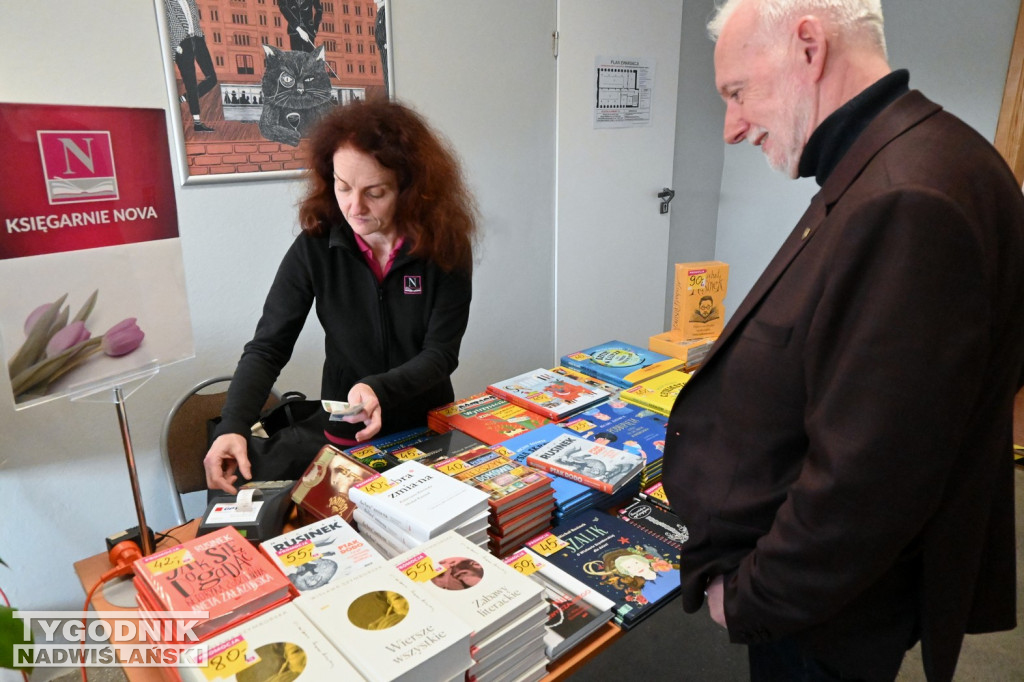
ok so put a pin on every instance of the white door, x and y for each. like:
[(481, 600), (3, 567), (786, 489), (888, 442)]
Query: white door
[(611, 238)]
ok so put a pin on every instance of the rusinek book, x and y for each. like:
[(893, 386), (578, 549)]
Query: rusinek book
[(593, 464), (389, 628), (325, 550), (620, 363), (575, 610), (548, 393), (485, 416), (627, 565), (470, 582), (627, 427), (282, 644), (323, 490), (220, 573), (419, 500)]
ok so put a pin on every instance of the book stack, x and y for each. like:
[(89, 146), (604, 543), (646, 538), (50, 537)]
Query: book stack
[(411, 503), (630, 566), (439, 447), (620, 363), (313, 556), (570, 496), (389, 628), (550, 394), (376, 452), (657, 394), (221, 574), (282, 644), (504, 609), (691, 351), (575, 611), (586, 379), (593, 464), (628, 427), (521, 498), (322, 492), (486, 417)]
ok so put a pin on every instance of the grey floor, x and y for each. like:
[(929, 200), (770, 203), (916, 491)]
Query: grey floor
[(672, 645)]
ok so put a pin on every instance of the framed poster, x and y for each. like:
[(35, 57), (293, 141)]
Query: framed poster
[(90, 254), (246, 81)]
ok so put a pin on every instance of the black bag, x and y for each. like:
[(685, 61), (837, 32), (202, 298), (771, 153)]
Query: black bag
[(295, 433)]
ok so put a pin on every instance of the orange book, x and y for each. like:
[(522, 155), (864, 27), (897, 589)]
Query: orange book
[(698, 311), (486, 417), (220, 573)]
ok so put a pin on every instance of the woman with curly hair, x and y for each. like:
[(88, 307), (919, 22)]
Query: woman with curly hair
[(385, 255)]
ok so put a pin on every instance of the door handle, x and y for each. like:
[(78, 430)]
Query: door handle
[(666, 195)]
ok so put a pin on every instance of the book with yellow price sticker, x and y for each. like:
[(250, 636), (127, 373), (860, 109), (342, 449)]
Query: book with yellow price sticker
[(419, 500), (282, 644), (657, 394)]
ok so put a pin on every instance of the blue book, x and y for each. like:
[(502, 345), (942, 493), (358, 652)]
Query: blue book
[(627, 427), (619, 363), (631, 566), (568, 494)]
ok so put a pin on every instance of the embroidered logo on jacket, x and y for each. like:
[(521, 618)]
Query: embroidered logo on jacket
[(413, 285)]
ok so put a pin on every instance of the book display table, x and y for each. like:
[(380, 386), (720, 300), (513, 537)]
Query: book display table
[(117, 596)]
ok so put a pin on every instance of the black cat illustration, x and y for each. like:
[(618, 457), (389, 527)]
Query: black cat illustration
[(296, 93)]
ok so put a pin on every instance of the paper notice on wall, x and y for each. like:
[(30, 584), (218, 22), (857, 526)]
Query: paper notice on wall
[(624, 91)]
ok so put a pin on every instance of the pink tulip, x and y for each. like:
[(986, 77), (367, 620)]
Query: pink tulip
[(122, 338), (30, 321), (67, 337)]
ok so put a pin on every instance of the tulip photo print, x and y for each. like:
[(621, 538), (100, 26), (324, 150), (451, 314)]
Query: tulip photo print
[(89, 253)]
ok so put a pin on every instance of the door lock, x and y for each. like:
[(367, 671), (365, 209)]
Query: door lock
[(666, 195)]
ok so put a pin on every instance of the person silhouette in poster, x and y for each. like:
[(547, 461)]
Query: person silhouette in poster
[(303, 18), (188, 48)]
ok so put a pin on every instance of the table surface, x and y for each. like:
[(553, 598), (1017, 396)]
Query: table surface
[(90, 570)]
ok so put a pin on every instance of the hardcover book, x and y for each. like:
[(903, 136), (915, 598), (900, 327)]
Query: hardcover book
[(585, 379), (221, 573), (323, 491), (575, 610), (506, 481), (282, 644), (314, 555), (486, 417), (389, 628), (376, 452), (548, 393), (655, 520), (627, 427), (625, 564), (419, 500), (657, 394), (620, 363), (697, 304), (655, 494), (470, 582), (438, 447), (593, 464), (674, 344)]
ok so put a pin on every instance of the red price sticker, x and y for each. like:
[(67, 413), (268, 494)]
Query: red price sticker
[(547, 544), (420, 568)]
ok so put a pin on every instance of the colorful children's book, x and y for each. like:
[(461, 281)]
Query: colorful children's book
[(620, 363), (322, 492), (486, 417), (586, 379), (438, 447), (220, 573), (282, 644), (698, 310), (390, 628), (691, 351), (657, 394), (314, 555), (624, 426), (420, 500), (575, 610), (376, 452), (595, 465), (548, 393), (654, 519), (625, 564)]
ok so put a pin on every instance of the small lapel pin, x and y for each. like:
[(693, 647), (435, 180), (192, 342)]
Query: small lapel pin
[(807, 231)]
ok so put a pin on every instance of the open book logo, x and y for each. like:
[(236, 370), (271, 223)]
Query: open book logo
[(413, 284), (78, 166)]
